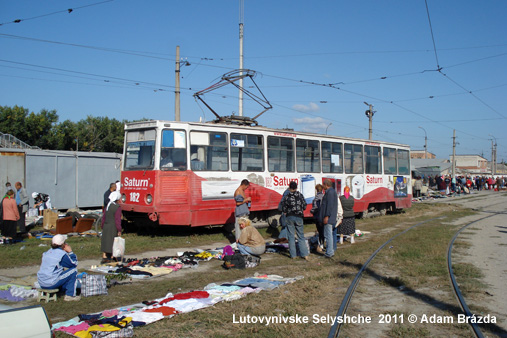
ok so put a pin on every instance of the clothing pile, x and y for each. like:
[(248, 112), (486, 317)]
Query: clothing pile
[(17, 293), (157, 266), (121, 322)]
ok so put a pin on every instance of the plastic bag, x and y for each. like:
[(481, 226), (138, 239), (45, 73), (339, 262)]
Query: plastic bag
[(118, 247)]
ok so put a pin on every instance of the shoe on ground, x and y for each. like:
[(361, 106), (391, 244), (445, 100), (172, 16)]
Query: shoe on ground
[(306, 258), (319, 250), (68, 298), (330, 257)]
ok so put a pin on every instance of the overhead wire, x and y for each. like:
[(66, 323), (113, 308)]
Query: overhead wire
[(69, 10)]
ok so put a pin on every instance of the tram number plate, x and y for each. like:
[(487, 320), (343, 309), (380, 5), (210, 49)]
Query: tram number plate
[(134, 196)]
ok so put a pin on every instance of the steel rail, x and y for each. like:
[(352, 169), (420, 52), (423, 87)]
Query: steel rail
[(335, 328), (454, 283)]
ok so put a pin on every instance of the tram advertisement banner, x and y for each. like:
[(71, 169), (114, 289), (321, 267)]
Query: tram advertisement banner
[(400, 186)]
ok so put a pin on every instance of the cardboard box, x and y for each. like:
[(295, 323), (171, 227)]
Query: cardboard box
[(49, 220)]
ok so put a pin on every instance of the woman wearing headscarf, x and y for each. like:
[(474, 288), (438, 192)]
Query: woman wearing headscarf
[(348, 225), (111, 226)]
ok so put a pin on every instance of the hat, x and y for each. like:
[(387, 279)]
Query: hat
[(34, 194), (58, 239), (114, 196)]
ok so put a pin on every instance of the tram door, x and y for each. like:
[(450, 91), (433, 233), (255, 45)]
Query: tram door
[(337, 184)]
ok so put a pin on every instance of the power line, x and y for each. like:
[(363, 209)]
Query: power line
[(432, 37), (69, 10)]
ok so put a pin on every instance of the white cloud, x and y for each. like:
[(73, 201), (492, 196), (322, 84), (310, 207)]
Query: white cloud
[(310, 108), (312, 124)]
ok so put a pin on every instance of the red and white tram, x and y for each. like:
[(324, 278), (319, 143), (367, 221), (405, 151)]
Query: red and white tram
[(185, 173)]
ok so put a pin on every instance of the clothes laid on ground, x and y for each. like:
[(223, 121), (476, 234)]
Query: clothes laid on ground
[(121, 321)]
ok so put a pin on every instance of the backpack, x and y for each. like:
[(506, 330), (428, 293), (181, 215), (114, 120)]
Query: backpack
[(236, 261)]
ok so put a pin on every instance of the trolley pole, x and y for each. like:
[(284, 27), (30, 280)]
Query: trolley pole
[(177, 86)]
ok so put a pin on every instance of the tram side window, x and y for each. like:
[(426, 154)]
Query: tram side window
[(373, 160), (403, 162), (390, 161), (247, 152), (280, 154), (307, 156), (140, 150), (208, 151), (332, 157), (173, 153), (353, 159)]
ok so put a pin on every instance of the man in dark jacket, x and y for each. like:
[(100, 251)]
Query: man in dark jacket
[(327, 215), (293, 206), (112, 187)]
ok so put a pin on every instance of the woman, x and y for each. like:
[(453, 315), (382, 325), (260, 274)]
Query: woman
[(242, 205), (111, 226), (59, 268), (10, 215), (250, 242), (348, 226)]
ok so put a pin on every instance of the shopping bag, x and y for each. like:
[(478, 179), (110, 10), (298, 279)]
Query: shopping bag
[(118, 247), (93, 285)]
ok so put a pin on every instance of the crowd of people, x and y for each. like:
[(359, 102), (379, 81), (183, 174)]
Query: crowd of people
[(459, 184), (334, 217)]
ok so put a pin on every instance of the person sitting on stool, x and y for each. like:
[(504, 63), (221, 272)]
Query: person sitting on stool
[(59, 268)]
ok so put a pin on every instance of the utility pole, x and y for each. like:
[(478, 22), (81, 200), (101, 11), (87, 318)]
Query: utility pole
[(425, 143), (369, 113), (453, 152), (241, 18), (493, 155), (177, 86)]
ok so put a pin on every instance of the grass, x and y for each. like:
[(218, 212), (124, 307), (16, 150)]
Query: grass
[(416, 260)]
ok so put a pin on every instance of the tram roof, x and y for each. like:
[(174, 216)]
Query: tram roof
[(287, 132)]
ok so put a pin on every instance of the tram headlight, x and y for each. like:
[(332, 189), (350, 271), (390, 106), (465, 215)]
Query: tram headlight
[(123, 198), (149, 199)]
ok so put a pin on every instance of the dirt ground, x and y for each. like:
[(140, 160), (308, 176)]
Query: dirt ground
[(487, 251)]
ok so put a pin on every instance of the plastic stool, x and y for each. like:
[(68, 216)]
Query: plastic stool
[(47, 295)]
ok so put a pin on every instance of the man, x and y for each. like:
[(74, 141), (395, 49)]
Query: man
[(22, 202), (59, 268), (328, 216), (112, 187), (293, 206)]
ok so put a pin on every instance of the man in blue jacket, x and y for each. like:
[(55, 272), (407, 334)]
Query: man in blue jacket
[(327, 215), (59, 268)]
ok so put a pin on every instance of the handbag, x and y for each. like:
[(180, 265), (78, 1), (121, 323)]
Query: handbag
[(93, 285), (118, 247)]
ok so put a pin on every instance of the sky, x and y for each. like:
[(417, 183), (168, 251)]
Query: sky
[(427, 67)]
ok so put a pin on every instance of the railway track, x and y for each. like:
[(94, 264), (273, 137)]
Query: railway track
[(336, 327)]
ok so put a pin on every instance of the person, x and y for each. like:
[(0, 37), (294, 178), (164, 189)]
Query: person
[(10, 215), (165, 159), (328, 216), (242, 205), (42, 201), (317, 201), (112, 187), (7, 187), (59, 268), (111, 226), (250, 242), (348, 226), (293, 206), (418, 187), (22, 202)]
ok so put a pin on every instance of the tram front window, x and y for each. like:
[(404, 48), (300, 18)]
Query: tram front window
[(140, 150), (173, 152)]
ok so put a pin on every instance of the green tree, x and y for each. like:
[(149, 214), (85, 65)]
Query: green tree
[(100, 134), (12, 121)]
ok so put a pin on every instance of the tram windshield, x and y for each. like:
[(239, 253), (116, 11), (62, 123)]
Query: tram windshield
[(140, 149), (173, 150)]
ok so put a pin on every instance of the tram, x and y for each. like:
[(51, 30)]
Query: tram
[(185, 173)]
